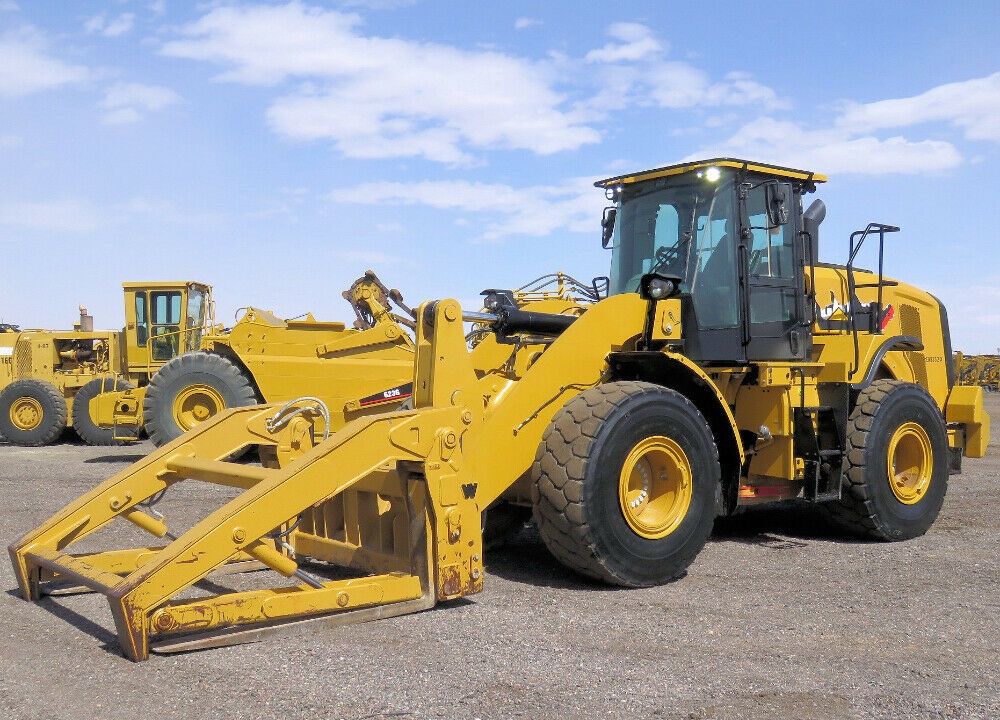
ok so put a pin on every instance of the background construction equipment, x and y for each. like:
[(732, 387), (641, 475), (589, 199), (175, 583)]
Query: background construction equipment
[(981, 370), (48, 378)]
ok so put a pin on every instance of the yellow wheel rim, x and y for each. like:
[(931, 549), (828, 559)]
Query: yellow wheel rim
[(26, 413), (910, 463), (654, 490), (196, 404)]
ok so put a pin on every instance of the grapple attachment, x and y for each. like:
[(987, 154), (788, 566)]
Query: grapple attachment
[(348, 524)]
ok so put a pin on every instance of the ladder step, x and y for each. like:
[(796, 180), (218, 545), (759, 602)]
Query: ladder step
[(817, 409)]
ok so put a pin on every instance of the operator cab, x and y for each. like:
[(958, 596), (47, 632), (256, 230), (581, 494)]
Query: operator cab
[(729, 234)]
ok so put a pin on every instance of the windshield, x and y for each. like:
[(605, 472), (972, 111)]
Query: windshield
[(196, 308), (683, 227), (196, 318), (672, 230)]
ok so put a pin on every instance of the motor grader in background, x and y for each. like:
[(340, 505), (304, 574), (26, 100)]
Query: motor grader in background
[(48, 378), (726, 367)]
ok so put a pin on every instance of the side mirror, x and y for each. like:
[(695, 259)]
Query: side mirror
[(608, 226), (776, 195)]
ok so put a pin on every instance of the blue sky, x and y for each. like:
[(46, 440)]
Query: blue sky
[(278, 150)]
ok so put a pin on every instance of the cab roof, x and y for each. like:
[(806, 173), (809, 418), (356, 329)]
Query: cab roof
[(806, 175), (168, 284)]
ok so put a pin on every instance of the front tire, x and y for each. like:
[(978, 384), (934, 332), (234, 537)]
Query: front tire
[(84, 420), (896, 474), (32, 413), (625, 482), (190, 389)]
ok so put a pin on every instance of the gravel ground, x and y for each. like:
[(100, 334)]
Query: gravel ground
[(778, 618)]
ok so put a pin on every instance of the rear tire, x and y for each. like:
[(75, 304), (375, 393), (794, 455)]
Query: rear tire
[(625, 482), (83, 420), (32, 413), (896, 474), (190, 389)]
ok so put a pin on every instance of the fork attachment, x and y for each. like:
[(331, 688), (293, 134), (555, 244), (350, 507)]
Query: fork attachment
[(379, 499)]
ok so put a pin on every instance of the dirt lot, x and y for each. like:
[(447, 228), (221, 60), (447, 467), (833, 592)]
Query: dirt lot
[(777, 618)]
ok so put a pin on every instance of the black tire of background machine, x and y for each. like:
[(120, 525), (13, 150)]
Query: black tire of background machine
[(83, 423), (182, 372), (48, 399)]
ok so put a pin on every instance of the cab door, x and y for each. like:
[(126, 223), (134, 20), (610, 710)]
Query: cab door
[(166, 312), (774, 287), (137, 329)]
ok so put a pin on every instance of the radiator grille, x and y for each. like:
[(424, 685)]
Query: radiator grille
[(909, 324), (22, 358), (909, 321)]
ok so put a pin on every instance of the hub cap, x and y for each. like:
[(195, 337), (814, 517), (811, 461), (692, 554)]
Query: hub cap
[(196, 404), (26, 413), (910, 463), (654, 490)]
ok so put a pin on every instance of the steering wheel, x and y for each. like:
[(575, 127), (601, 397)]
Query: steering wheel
[(664, 257)]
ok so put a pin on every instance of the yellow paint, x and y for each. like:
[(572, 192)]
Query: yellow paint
[(910, 463), (655, 487)]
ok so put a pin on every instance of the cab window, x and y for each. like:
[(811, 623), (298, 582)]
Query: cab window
[(141, 321), (166, 318)]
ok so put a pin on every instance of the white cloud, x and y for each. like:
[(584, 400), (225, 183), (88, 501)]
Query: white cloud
[(536, 211), (834, 150), (56, 215), (523, 23), (25, 66), (129, 102), (855, 141), (972, 105), (638, 72), (636, 42), (110, 28), (11, 141), (384, 97), (8, 6), (679, 85)]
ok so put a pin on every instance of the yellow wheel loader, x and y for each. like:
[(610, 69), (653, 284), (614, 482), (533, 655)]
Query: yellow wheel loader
[(263, 358), (726, 367)]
